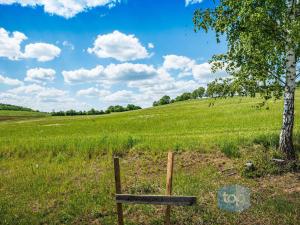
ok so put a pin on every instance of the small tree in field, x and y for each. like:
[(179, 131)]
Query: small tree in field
[(165, 100), (198, 93), (263, 39)]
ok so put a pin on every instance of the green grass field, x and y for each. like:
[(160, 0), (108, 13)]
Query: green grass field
[(58, 170)]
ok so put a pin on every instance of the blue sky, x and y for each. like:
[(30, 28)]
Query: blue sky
[(58, 55)]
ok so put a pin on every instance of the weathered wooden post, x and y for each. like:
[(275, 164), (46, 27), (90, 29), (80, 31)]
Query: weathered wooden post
[(169, 186), (118, 190)]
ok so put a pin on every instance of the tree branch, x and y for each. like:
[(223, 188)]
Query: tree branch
[(275, 76)]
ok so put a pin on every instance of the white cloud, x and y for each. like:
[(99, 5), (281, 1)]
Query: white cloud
[(129, 71), (182, 63), (186, 66), (10, 47), (64, 8), (82, 74), (41, 98), (92, 92), (38, 91), (27, 89), (119, 46), (202, 73), (41, 51), (121, 97), (190, 2), (163, 84), (40, 75), (177, 62), (54, 93), (150, 45), (111, 73), (145, 83), (68, 44), (10, 81), (140, 84), (10, 44)]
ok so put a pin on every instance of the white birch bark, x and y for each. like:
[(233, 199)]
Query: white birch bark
[(286, 135)]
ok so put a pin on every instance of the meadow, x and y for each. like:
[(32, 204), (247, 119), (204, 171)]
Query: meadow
[(58, 170)]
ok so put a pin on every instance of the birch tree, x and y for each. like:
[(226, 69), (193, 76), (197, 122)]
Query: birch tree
[(263, 38)]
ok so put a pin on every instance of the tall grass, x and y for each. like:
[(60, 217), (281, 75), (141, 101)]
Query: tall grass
[(191, 125)]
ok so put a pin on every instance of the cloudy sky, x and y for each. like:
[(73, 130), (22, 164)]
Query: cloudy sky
[(63, 54)]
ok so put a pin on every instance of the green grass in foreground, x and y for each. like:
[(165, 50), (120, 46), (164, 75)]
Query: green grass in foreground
[(58, 170)]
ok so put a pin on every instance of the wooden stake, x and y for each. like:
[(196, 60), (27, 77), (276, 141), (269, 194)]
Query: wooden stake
[(118, 190), (169, 186)]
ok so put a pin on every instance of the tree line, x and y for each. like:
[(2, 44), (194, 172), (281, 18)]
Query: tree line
[(223, 88), (219, 88), (14, 108), (110, 109), (196, 94)]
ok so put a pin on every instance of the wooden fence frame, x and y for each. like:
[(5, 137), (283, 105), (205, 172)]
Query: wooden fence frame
[(167, 199)]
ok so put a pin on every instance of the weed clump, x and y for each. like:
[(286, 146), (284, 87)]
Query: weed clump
[(230, 149), (144, 188), (268, 141), (267, 162)]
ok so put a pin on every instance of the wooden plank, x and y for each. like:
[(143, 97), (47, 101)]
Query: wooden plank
[(156, 199), (169, 186), (118, 190)]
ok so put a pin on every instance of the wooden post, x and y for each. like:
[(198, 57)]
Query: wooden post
[(118, 190), (169, 186)]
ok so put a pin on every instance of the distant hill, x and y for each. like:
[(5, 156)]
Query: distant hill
[(14, 108)]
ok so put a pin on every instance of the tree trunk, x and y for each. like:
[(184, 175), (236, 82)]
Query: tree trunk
[(286, 135)]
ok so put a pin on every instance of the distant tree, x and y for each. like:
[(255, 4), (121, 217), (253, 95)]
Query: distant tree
[(186, 96), (91, 112), (198, 93), (227, 88), (119, 108), (210, 91), (110, 109), (132, 107), (183, 97), (155, 103), (216, 89), (59, 113), (263, 50), (71, 112), (165, 100)]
